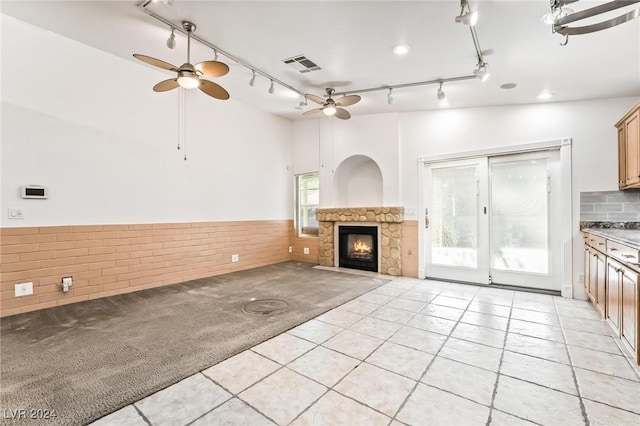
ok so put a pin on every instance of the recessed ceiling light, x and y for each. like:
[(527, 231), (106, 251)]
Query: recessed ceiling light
[(401, 49), (508, 86), (545, 95)]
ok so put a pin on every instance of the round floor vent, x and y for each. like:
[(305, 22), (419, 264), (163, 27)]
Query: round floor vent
[(265, 307)]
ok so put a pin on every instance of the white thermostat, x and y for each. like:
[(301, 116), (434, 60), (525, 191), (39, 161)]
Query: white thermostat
[(34, 191)]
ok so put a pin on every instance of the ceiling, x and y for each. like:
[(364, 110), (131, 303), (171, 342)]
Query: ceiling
[(352, 42)]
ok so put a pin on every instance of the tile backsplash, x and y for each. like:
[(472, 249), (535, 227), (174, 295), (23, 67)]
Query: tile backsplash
[(610, 206)]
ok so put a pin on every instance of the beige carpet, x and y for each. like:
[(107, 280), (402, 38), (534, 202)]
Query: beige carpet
[(88, 359)]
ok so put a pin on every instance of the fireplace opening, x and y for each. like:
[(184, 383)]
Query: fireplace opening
[(358, 247)]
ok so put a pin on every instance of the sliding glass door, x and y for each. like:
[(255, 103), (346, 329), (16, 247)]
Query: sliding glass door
[(495, 220)]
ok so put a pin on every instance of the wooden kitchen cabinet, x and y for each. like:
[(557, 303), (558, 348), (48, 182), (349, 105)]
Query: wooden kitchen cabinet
[(629, 313), (629, 149), (595, 276), (612, 282), (612, 303)]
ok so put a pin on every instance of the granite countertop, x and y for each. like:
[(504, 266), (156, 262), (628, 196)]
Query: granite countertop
[(630, 237)]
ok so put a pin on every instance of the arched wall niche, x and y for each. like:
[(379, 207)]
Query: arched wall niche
[(357, 182)]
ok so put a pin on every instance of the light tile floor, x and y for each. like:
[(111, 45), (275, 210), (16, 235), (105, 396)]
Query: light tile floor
[(417, 352)]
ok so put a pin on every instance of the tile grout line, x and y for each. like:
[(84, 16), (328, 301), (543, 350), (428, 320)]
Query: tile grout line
[(141, 414), (419, 381), (583, 408), (360, 362), (497, 382)]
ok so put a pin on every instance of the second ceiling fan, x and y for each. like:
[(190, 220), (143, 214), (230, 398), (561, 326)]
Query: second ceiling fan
[(333, 108)]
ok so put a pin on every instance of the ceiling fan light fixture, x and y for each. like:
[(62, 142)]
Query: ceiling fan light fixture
[(329, 110), (188, 80), (171, 41)]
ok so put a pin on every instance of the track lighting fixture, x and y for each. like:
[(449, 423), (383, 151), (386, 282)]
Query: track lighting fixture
[(481, 72), (253, 78), (390, 96), (271, 88), (441, 95), (467, 18), (171, 41)]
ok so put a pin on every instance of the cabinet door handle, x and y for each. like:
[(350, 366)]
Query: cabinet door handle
[(613, 249), (628, 256), (600, 244)]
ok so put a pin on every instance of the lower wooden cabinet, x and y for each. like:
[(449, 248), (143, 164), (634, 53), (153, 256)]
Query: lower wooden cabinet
[(595, 278), (629, 313), (612, 282), (612, 303)]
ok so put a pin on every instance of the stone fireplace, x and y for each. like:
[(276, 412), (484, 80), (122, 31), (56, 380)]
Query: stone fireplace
[(387, 222)]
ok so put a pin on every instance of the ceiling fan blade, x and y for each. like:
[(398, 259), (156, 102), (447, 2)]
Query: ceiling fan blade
[(155, 62), (212, 68), (166, 85), (213, 89), (312, 111), (316, 99), (348, 100), (342, 114)]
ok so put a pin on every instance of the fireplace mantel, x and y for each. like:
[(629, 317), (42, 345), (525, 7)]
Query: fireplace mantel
[(389, 218)]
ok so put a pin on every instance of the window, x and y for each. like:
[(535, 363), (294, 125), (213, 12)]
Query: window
[(307, 202)]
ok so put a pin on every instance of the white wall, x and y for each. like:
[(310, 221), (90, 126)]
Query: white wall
[(87, 125), (375, 136), (408, 136)]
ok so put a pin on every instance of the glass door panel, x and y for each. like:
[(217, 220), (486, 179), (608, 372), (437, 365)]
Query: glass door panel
[(456, 229), (525, 220), (520, 216), (454, 213)]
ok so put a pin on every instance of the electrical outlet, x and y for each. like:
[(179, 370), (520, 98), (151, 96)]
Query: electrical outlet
[(16, 213), (290, 249), (306, 250), (581, 278), (235, 257), (67, 282), (23, 289)]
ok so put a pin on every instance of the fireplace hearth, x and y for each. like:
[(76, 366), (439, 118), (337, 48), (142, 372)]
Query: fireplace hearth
[(358, 247)]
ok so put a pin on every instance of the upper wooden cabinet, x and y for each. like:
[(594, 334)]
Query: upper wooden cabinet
[(629, 149)]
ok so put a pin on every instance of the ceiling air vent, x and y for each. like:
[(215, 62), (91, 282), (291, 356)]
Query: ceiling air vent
[(302, 63)]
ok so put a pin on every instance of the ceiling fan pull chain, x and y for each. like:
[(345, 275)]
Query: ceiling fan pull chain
[(179, 102), (184, 126)]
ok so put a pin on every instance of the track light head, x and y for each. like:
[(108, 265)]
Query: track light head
[(481, 72), (171, 41), (469, 18), (253, 78), (441, 94), (390, 96), (271, 88)]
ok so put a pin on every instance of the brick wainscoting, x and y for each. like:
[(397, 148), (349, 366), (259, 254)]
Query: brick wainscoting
[(106, 260)]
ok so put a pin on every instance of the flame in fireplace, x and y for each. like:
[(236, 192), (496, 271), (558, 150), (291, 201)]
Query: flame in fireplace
[(361, 247)]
